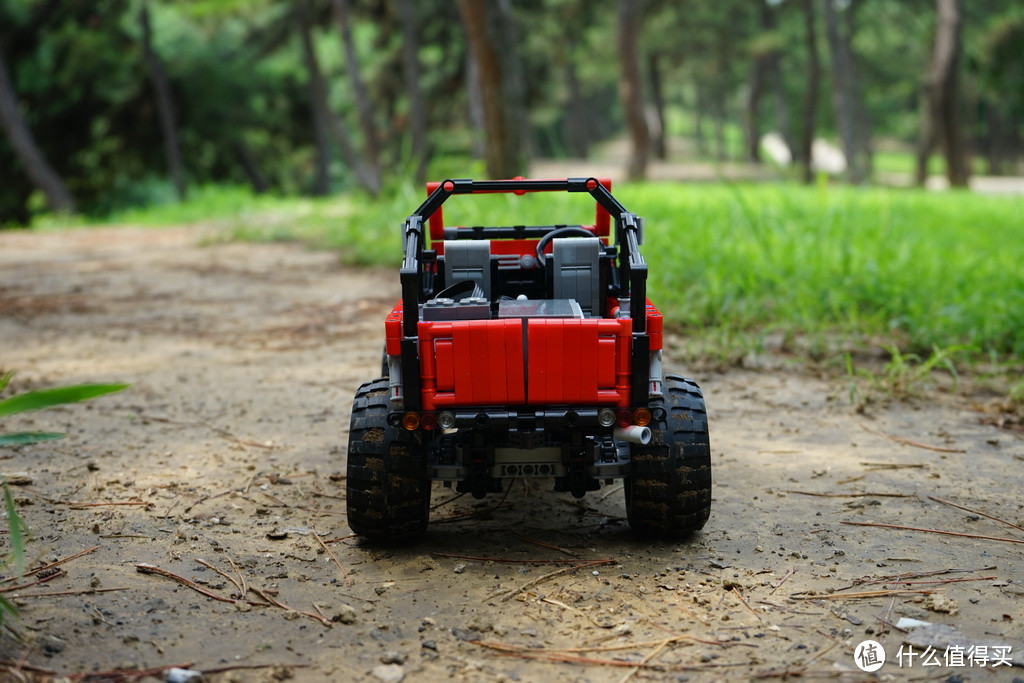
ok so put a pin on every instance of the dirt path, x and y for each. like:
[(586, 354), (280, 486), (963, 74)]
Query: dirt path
[(243, 360)]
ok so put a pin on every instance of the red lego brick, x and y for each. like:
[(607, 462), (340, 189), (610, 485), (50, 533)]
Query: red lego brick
[(654, 326), (605, 362), (444, 360), (393, 331), (563, 354)]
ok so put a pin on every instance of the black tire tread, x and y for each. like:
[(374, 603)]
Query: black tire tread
[(668, 493), (388, 491)]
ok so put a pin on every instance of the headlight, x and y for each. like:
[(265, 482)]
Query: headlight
[(606, 417)]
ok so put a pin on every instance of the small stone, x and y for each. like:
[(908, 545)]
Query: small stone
[(465, 635), (176, 675), (392, 657), (429, 645), (52, 645), (940, 603), (459, 568), (277, 535), (346, 615), (388, 673)]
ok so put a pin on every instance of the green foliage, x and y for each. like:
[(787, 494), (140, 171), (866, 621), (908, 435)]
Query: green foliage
[(16, 529), (46, 398), (905, 372), (243, 107)]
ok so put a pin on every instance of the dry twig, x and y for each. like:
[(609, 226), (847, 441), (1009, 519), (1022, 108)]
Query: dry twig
[(51, 565), (543, 544), (852, 495), (322, 619), (784, 580), (348, 579), (241, 591), (745, 604), (908, 442), (146, 568), (530, 584), (976, 512), (87, 591), (49, 577), (862, 594), (936, 531), (501, 560), (555, 656)]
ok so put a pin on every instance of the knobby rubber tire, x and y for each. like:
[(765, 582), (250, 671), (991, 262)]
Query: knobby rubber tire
[(388, 490), (668, 491)]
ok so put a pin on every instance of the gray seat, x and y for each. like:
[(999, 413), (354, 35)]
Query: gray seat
[(577, 273), (468, 260)]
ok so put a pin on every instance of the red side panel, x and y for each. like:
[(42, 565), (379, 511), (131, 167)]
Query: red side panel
[(393, 330), (471, 362), (578, 361), (654, 326)]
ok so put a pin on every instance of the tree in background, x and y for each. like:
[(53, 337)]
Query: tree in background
[(314, 96), (24, 145), (847, 99), (371, 144), (1000, 73), (631, 86), (164, 102), (941, 99), (810, 116), (419, 144), (491, 33), (27, 151)]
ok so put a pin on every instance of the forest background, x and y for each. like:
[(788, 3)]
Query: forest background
[(147, 111)]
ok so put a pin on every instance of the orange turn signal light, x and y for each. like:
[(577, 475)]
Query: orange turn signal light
[(411, 420), (642, 417)]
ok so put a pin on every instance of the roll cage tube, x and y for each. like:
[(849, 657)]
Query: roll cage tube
[(632, 269)]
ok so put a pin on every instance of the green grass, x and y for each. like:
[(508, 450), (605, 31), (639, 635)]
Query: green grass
[(731, 264)]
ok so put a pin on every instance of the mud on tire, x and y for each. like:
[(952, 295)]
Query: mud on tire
[(388, 497), (668, 492)]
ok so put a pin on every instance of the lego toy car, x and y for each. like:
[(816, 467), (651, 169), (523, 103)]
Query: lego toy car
[(526, 351)]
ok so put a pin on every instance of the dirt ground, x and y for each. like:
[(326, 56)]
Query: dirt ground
[(229, 449)]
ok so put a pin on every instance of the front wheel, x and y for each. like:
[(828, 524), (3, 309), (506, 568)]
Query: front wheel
[(668, 491), (388, 490)]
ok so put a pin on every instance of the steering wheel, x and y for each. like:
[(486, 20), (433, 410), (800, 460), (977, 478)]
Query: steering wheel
[(560, 232)]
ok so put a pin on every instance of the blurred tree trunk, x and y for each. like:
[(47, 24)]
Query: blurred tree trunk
[(752, 118), (811, 97), (845, 94), (764, 61), (252, 169), (164, 103), (371, 139), (861, 119), (494, 51), (577, 124), (411, 74), (25, 148), (699, 112), (630, 86), (773, 74), (318, 101), (721, 151), (941, 99), (657, 117)]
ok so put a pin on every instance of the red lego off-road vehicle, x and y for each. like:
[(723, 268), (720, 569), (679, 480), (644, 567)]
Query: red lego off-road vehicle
[(526, 351)]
